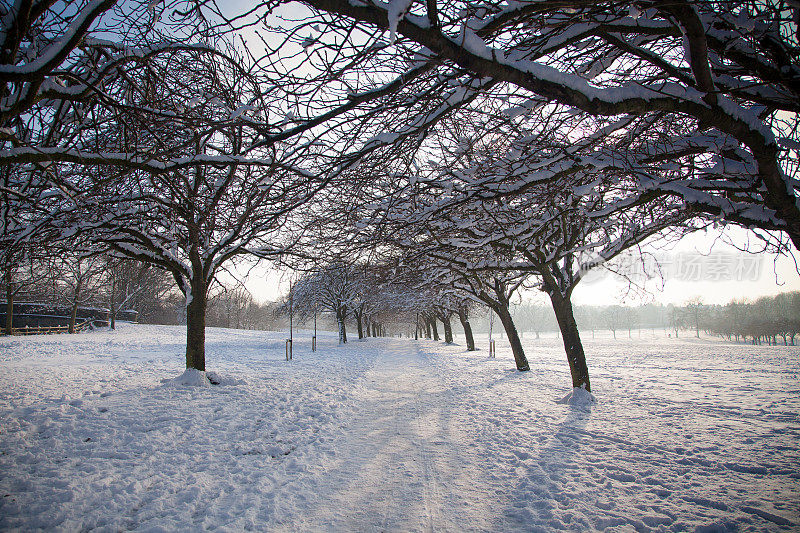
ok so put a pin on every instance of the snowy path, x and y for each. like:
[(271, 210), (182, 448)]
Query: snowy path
[(404, 464)]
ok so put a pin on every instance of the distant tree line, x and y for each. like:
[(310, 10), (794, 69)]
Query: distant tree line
[(73, 280), (770, 320), (766, 320)]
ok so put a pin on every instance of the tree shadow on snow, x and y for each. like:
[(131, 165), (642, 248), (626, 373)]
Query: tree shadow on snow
[(543, 498)]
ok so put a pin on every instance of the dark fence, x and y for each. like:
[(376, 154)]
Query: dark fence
[(34, 318)]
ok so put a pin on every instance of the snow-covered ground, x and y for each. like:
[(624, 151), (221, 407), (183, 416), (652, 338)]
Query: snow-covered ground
[(393, 434)]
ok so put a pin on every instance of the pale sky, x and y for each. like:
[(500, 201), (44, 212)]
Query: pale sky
[(702, 266)]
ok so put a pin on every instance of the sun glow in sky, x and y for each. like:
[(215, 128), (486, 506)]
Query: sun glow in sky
[(698, 267)]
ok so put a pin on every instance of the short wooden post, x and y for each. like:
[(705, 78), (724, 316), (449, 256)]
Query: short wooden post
[(291, 325), (491, 341)]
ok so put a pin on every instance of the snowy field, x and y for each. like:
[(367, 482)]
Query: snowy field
[(393, 434)]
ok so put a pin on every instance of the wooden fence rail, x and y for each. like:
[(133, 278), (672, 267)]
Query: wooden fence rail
[(47, 330)]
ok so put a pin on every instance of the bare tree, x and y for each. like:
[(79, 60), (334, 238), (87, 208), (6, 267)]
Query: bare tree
[(71, 69), (493, 288), (80, 277), (26, 204), (332, 288), (127, 282), (23, 268), (695, 310), (534, 317), (545, 229), (178, 147), (464, 308), (613, 317), (708, 87), (677, 319)]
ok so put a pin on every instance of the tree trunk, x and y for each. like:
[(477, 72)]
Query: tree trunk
[(434, 329), (359, 325), (513, 337), (572, 340), (448, 329), (462, 316), (9, 312), (196, 325), (427, 327), (74, 312), (72, 317), (112, 320), (9, 303)]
